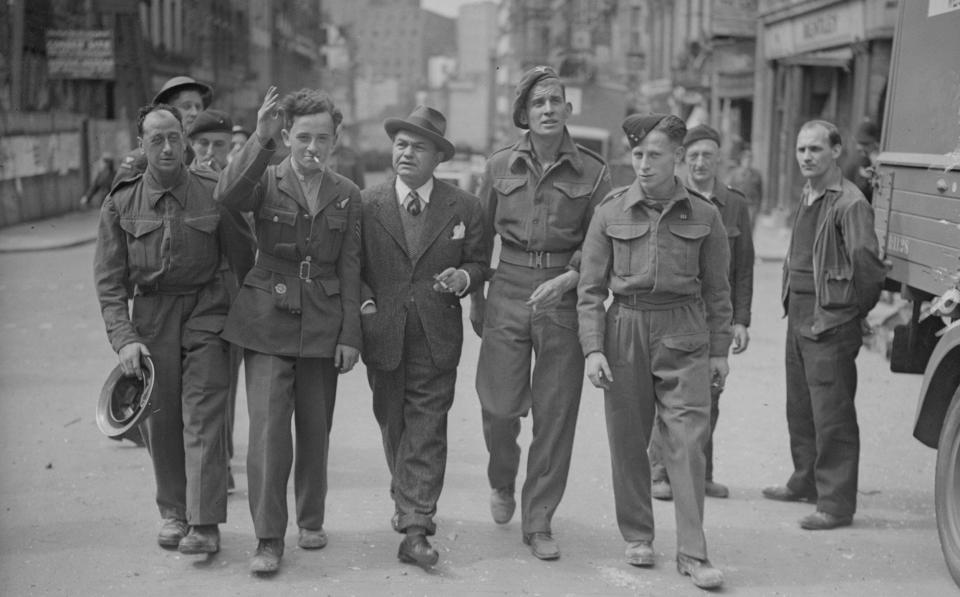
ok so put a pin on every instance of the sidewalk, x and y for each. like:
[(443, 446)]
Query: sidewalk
[(69, 230), (770, 238)]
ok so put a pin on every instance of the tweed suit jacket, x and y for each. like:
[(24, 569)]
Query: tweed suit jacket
[(399, 279)]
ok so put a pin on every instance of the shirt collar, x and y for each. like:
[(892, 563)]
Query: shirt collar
[(423, 191), (155, 191), (300, 176), (635, 195), (523, 151), (834, 180)]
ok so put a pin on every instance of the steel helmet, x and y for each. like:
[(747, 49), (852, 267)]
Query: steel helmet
[(177, 84), (125, 400)]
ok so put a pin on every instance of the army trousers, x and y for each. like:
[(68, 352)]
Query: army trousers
[(280, 388), (658, 470), (185, 432), (514, 338), (411, 404), (659, 359), (821, 416)]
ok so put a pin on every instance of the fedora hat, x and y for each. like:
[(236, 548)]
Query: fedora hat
[(125, 401), (427, 122), (177, 84)]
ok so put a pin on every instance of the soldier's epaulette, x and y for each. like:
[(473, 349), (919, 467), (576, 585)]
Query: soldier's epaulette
[(591, 153), (737, 191), (613, 194), (697, 194), (125, 182)]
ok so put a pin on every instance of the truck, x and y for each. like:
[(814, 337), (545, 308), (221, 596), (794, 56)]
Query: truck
[(917, 214)]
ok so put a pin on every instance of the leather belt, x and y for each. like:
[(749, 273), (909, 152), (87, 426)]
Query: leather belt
[(642, 302), (534, 259), (305, 270), (168, 289)]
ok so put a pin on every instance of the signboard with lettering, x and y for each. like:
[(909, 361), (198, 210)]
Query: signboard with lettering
[(80, 54), (834, 26)]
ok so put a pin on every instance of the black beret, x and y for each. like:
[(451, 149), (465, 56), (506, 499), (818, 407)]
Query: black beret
[(211, 121), (637, 126), (527, 81), (868, 133), (699, 133)]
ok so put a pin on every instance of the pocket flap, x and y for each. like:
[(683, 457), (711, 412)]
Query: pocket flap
[(690, 231), (281, 216), (337, 222), (628, 231), (505, 186), (137, 227), (206, 223), (573, 190), (686, 342), (331, 286)]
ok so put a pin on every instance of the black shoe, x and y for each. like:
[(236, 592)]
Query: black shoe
[(701, 572), (542, 545), (172, 531), (415, 549), (715, 490), (782, 493), (640, 553), (202, 538), (312, 539), (267, 558), (824, 521)]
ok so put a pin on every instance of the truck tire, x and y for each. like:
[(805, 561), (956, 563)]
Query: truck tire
[(947, 492)]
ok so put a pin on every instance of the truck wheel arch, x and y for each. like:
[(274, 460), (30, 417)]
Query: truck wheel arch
[(941, 379)]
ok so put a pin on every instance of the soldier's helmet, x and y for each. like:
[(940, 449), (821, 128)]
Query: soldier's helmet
[(125, 401)]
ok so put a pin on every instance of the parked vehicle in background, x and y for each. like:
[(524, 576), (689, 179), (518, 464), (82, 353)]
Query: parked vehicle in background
[(465, 172), (917, 208)]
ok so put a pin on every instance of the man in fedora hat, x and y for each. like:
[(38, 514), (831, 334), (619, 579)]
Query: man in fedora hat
[(539, 195), (663, 253), (297, 314), (423, 251), (189, 97)]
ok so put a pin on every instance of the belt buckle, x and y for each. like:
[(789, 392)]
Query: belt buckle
[(538, 259), (304, 273)]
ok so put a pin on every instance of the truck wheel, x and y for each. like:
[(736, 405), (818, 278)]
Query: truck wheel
[(947, 493)]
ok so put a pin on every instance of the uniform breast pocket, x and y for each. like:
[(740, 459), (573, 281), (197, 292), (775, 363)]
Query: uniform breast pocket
[(200, 235), (575, 198), (144, 239), (631, 248), (510, 210), (278, 225), (686, 253)]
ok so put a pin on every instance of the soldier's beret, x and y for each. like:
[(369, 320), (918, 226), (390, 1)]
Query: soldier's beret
[(637, 126), (527, 81), (699, 133), (211, 121)]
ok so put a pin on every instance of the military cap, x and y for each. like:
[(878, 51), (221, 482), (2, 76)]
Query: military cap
[(638, 126), (426, 122), (699, 133), (867, 133), (211, 121), (527, 81), (178, 84), (125, 401)]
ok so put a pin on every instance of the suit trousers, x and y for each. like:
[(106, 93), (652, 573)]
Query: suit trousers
[(278, 388), (821, 416), (513, 333), (658, 470), (660, 362), (185, 431), (411, 404)]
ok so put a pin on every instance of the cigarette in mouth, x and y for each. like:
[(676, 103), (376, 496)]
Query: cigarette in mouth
[(315, 159)]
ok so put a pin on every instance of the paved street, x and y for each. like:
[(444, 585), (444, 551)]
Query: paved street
[(78, 516)]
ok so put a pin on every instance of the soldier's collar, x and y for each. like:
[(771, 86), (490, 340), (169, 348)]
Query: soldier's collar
[(635, 195), (523, 151), (155, 190)]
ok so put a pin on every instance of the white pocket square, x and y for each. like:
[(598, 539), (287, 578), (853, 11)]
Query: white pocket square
[(459, 231)]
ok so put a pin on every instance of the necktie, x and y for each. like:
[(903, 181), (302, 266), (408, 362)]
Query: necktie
[(413, 204)]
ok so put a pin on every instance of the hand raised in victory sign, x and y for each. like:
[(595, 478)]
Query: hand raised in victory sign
[(269, 121)]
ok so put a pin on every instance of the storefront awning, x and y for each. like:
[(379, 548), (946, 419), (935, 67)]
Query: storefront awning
[(839, 58)]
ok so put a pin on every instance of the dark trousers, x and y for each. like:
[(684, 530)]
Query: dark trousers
[(185, 430), (512, 335), (658, 470), (279, 388), (821, 416), (236, 359), (410, 404), (660, 363)]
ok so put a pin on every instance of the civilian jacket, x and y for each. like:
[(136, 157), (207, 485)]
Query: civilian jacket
[(399, 279), (301, 298), (847, 271)]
